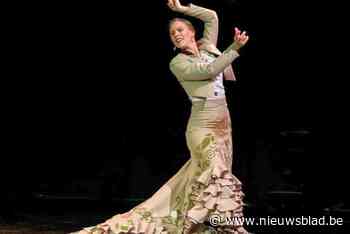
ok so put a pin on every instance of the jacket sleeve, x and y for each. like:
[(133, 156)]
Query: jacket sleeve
[(210, 19), (186, 69)]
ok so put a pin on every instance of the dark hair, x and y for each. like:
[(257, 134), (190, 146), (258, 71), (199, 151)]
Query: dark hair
[(185, 21)]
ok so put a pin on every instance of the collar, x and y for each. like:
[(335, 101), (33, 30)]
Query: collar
[(202, 45)]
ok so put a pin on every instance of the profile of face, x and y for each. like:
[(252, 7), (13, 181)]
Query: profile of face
[(181, 34)]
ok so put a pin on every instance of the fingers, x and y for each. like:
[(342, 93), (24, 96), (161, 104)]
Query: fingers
[(171, 4), (245, 40), (177, 3), (241, 37), (238, 33)]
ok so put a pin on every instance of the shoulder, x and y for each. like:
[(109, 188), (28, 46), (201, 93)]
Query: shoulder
[(179, 59)]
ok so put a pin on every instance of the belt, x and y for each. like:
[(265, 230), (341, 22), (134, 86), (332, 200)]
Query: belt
[(197, 99)]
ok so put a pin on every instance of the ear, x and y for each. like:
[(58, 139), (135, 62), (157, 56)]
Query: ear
[(193, 35)]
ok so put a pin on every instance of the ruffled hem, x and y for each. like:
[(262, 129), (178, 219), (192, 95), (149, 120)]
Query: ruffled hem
[(218, 192)]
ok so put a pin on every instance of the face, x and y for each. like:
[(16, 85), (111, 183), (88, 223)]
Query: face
[(181, 35)]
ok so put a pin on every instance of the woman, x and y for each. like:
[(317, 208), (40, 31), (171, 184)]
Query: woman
[(204, 187)]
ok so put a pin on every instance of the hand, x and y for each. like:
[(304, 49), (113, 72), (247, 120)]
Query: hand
[(240, 38), (175, 5)]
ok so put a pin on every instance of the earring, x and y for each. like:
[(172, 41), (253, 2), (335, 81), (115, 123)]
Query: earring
[(174, 49)]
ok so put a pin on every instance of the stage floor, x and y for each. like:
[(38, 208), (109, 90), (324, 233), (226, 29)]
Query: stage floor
[(63, 216)]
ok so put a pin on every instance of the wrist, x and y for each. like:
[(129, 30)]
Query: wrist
[(235, 46), (185, 9)]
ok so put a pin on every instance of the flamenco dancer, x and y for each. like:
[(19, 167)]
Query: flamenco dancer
[(205, 186)]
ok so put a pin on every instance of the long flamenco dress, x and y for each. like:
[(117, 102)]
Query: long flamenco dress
[(203, 187)]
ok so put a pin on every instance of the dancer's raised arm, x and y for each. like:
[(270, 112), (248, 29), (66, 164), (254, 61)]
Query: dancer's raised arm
[(209, 17)]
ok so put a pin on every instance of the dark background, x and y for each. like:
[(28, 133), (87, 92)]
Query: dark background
[(93, 109)]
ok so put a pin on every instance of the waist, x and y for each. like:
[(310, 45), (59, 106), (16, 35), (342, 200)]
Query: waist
[(201, 99), (208, 102), (209, 113)]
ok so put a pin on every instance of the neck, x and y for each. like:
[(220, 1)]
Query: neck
[(192, 49)]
